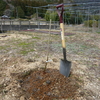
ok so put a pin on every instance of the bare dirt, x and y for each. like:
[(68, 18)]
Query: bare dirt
[(23, 58)]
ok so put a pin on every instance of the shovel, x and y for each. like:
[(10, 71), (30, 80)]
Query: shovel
[(65, 65)]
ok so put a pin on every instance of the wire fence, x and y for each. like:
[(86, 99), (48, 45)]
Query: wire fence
[(9, 25)]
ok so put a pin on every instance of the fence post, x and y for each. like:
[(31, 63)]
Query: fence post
[(19, 24), (10, 26), (38, 24), (99, 25), (29, 24), (1, 26)]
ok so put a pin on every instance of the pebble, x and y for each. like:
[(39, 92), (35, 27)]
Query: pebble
[(4, 59), (44, 83), (48, 81), (48, 93), (13, 95), (12, 66), (20, 81), (19, 86), (22, 98), (35, 89), (39, 77)]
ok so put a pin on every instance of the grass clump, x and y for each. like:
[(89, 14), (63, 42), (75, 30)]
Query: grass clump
[(23, 44), (26, 47), (98, 32), (24, 52), (35, 37)]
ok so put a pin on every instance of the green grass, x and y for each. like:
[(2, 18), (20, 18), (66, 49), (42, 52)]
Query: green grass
[(35, 37), (24, 52), (4, 48), (26, 44), (23, 44), (98, 32), (25, 47)]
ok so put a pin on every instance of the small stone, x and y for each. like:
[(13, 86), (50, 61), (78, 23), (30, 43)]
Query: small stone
[(22, 98), (55, 87), (19, 86), (48, 81), (5, 85), (44, 83), (48, 93), (4, 59), (57, 91), (35, 89), (13, 95), (20, 81), (13, 66), (39, 77)]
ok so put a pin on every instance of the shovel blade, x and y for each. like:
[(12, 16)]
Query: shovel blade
[(65, 67)]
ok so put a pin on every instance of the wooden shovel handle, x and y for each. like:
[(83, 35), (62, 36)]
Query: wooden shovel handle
[(63, 40), (62, 28)]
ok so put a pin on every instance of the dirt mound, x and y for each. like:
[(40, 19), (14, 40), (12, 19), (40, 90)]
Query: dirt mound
[(49, 85)]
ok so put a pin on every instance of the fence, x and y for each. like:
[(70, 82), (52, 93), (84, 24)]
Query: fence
[(8, 25)]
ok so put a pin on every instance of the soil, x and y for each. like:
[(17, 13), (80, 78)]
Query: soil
[(23, 57), (49, 85)]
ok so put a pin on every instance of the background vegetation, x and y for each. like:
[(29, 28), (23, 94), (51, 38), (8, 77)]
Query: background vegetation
[(3, 6), (21, 10)]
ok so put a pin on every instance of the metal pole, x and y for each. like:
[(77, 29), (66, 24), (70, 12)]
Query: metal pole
[(19, 24), (93, 23), (1, 26), (99, 22), (29, 24), (10, 26), (88, 18), (37, 16)]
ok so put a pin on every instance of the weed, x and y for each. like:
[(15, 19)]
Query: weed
[(98, 32), (2, 47), (24, 52), (26, 73), (23, 44), (35, 37), (1, 87)]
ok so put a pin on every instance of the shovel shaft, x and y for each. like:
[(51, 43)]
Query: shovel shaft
[(62, 35), (63, 40)]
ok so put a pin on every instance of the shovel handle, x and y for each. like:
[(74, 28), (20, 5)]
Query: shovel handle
[(63, 40), (60, 13)]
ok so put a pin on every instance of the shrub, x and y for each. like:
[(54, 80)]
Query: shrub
[(73, 18), (91, 23), (51, 15), (2, 7)]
